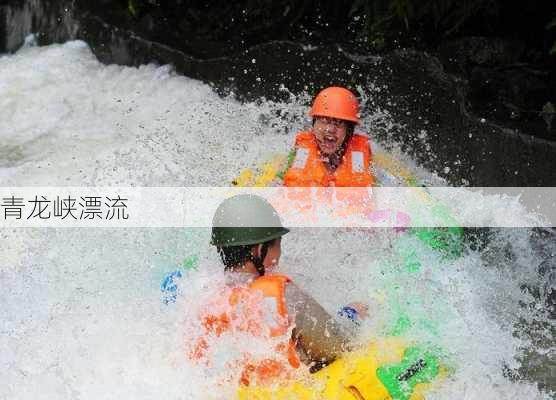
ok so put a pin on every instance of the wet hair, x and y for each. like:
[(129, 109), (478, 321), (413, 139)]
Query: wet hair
[(235, 256), (350, 129)]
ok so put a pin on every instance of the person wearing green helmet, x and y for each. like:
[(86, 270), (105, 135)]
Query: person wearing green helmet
[(247, 233)]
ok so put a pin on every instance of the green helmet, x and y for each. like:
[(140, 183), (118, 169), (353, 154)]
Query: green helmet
[(243, 220)]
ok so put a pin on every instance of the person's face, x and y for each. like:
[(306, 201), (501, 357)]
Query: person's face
[(273, 254), (330, 134)]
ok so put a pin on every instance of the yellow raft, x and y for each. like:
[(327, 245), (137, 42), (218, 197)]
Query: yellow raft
[(385, 370), (272, 170)]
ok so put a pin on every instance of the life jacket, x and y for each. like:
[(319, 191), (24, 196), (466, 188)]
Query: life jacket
[(258, 309), (309, 170), (351, 179)]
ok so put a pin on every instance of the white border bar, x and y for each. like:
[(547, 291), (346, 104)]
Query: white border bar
[(394, 207)]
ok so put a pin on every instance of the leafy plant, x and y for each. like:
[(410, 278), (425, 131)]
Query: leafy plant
[(445, 16), (131, 7), (551, 25), (136, 7)]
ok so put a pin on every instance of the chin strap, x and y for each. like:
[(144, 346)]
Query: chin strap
[(259, 261)]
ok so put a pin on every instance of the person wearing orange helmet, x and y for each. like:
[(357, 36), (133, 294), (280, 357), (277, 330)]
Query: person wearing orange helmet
[(331, 153)]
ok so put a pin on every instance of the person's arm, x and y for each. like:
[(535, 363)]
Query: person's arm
[(321, 337)]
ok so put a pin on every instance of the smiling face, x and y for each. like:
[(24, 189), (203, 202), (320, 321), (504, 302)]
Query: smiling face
[(330, 134)]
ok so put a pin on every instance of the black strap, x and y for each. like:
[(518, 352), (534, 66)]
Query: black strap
[(259, 261)]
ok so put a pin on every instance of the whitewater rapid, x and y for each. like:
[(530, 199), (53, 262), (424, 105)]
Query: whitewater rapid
[(82, 316)]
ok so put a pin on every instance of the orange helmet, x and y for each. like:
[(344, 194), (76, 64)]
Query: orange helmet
[(336, 102)]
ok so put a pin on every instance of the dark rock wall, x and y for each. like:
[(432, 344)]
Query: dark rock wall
[(509, 83), (53, 21)]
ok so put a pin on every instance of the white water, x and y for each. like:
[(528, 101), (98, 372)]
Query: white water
[(81, 310)]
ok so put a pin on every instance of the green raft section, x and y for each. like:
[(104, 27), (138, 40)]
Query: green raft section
[(417, 366)]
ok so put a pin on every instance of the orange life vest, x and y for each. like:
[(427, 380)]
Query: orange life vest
[(351, 179), (309, 170), (242, 316)]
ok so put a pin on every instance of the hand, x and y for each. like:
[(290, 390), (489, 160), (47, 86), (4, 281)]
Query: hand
[(361, 308)]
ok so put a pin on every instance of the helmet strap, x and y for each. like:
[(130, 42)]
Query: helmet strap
[(259, 261), (349, 135)]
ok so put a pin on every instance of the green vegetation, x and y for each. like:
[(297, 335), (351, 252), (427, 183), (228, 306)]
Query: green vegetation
[(552, 25), (442, 16), (377, 23), (131, 8), (137, 7)]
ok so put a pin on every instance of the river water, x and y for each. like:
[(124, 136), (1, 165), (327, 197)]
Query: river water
[(82, 316)]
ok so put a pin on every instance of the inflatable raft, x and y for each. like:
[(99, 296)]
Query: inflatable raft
[(384, 370)]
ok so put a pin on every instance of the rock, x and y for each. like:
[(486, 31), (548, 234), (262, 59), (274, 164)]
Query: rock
[(513, 92), (504, 86), (462, 55)]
